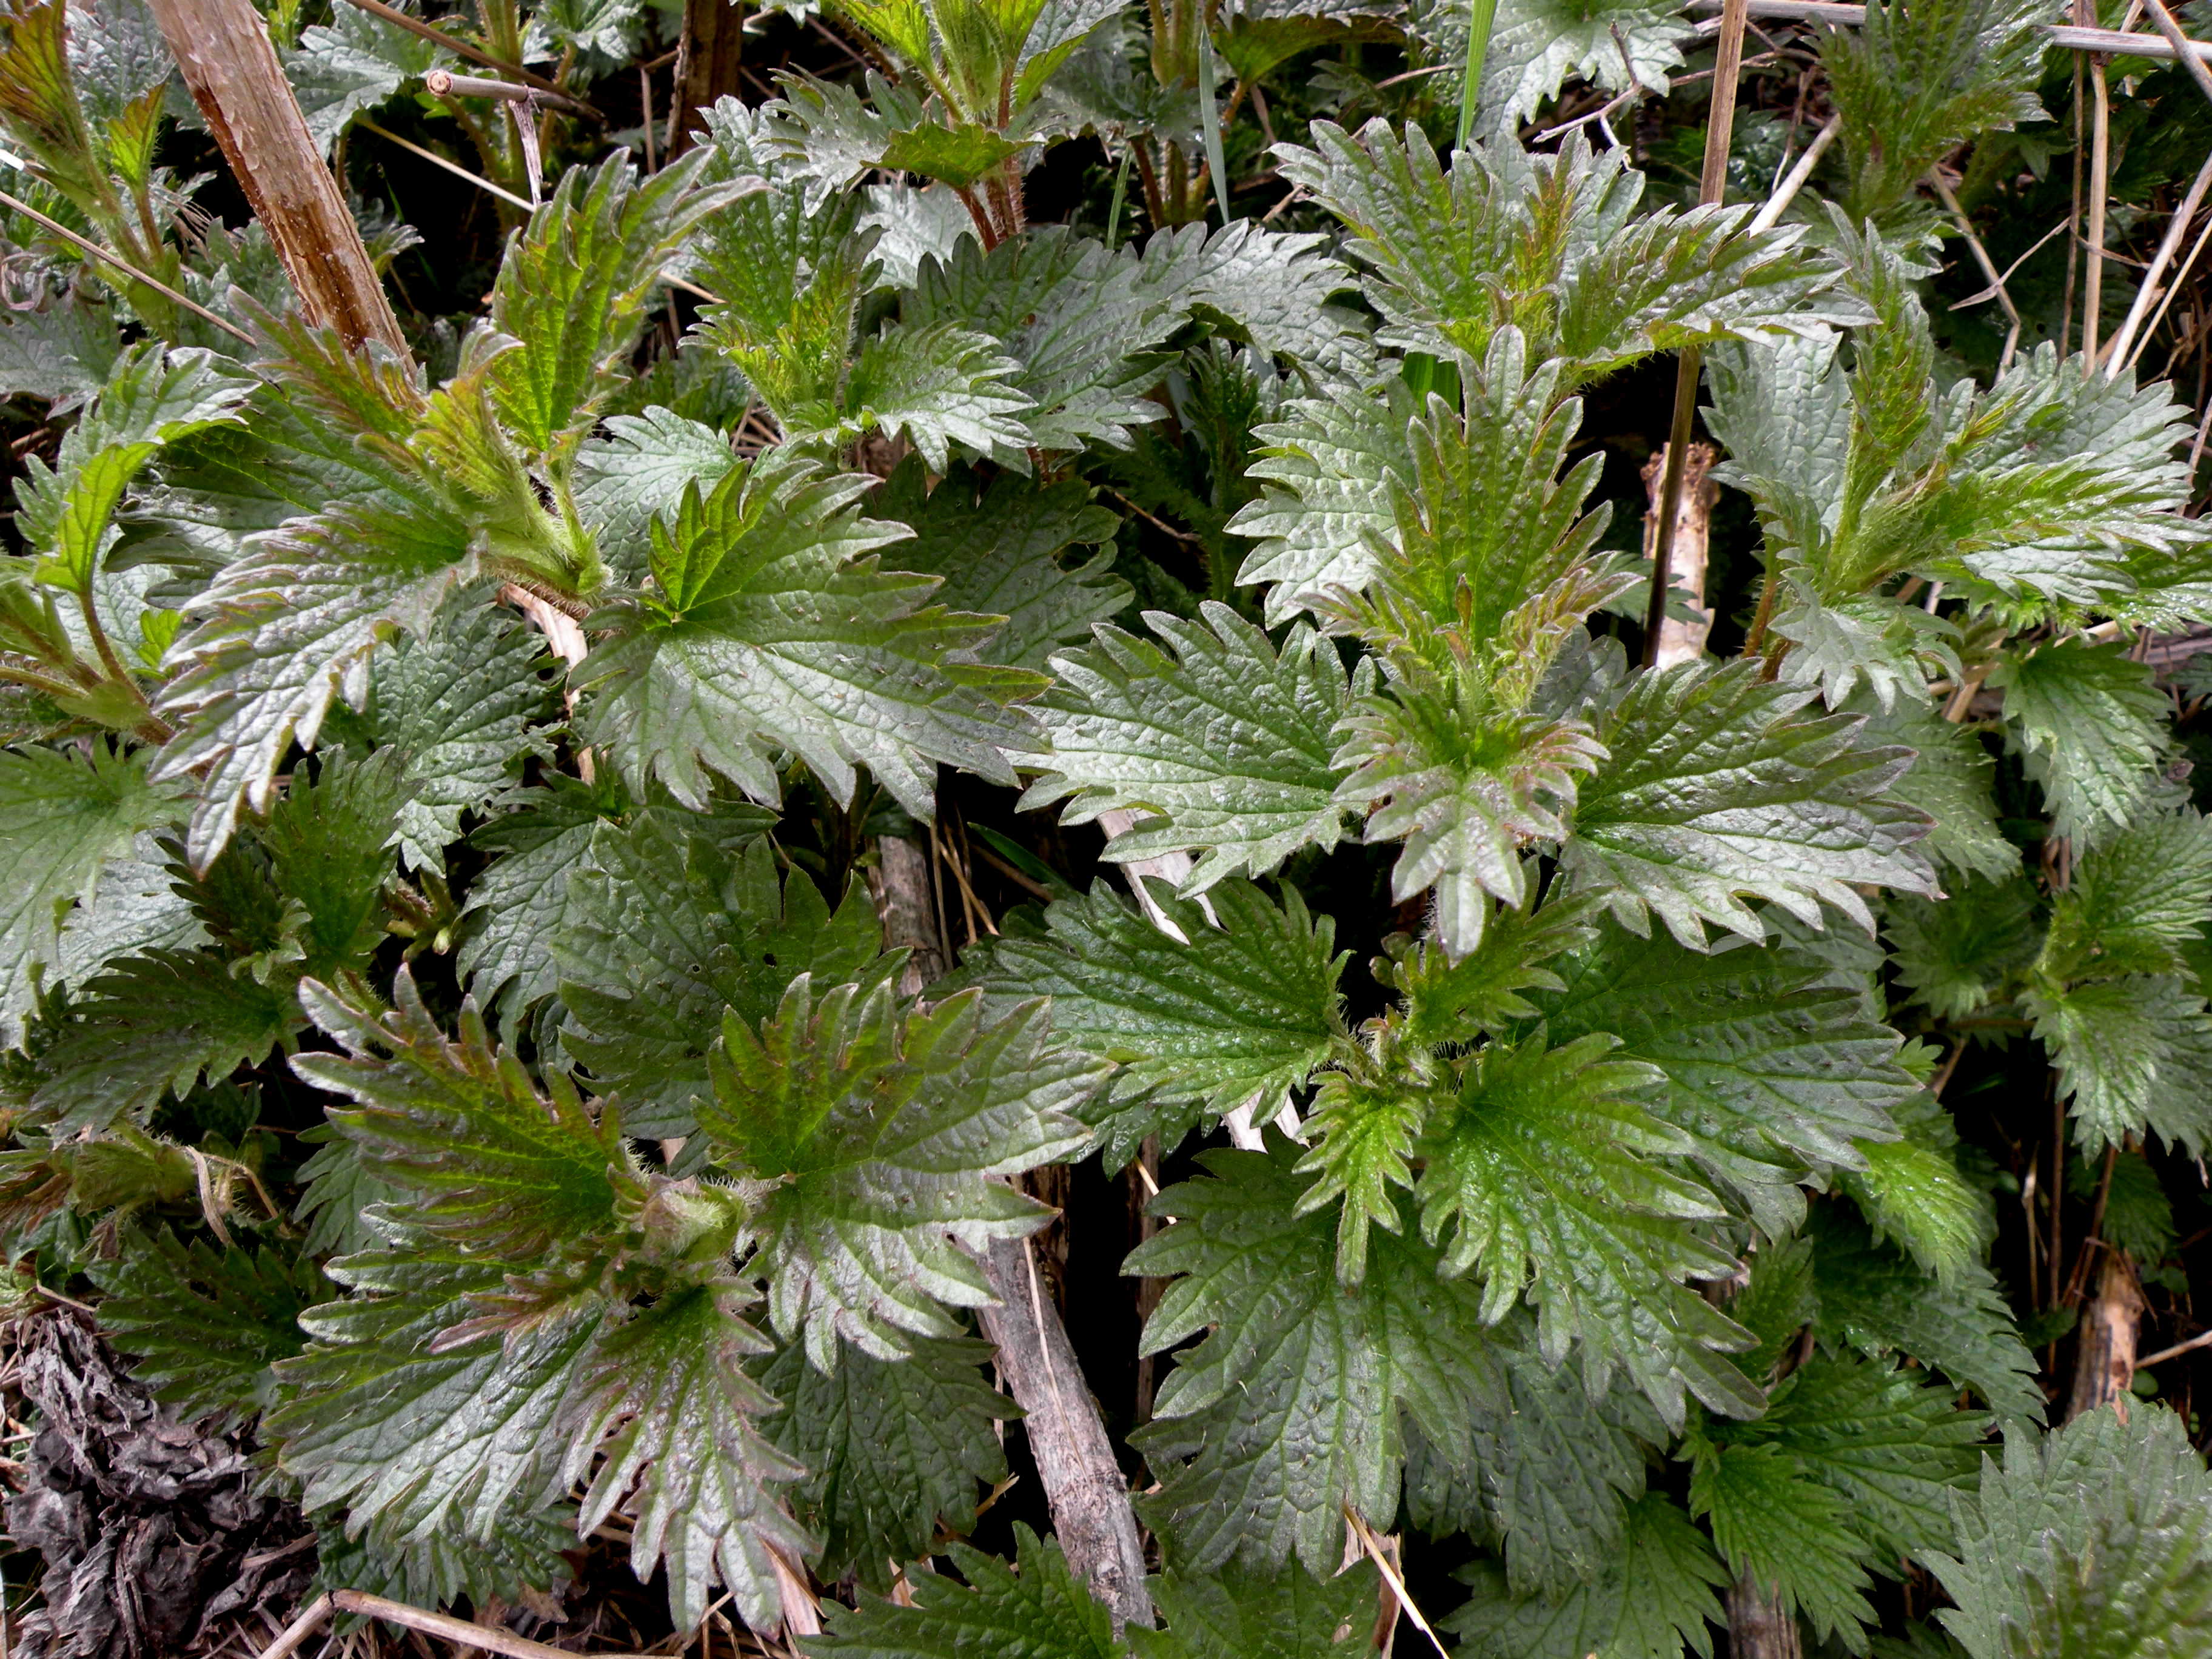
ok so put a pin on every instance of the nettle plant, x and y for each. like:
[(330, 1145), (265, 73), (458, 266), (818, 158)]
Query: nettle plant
[(1604, 1231)]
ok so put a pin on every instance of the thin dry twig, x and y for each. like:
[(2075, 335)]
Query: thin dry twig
[(505, 1643), (1966, 228)]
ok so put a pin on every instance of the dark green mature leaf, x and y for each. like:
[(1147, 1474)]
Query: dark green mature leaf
[(1223, 1015), (206, 1322), (1555, 1477), (1719, 788), (1221, 741), (2096, 1542), (1792, 1536), (1041, 1610), (892, 1448), (1891, 1440), (516, 905), (1549, 1178), (1771, 1072), (1552, 245), (1949, 780), (667, 925), (934, 386), (351, 65), (341, 1187), (2136, 903), (998, 548), (1078, 319), (664, 1412), (457, 704), (1236, 1613), (324, 855), (1957, 954), (1870, 1296), (774, 630), (153, 1023), (2093, 727), (519, 1556), (488, 1163), (1290, 1410), (283, 629), (1653, 1597), (573, 285), (875, 1130), (413, 1436), (63, 815)]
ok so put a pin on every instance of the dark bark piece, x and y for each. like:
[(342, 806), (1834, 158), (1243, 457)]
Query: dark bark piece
[(222, 47), (707, 63), (1084, 1485), (2104, 1354), (1758, 1627), (151, 1530)]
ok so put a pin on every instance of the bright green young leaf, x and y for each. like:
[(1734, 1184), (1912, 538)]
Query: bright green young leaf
[(2092, 727)]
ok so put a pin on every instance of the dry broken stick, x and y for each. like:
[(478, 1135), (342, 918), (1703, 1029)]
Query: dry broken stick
[(222, 47), (1084, 1485)]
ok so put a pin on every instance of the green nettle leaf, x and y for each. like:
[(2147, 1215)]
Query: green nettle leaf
[(351, 65), (206, 1322), (487, 1161), (516, 905), (1871, 1298), (1912, 1191), (638, 472), (2092, 728), (1556, 1477), (1949, 780), (998, 548), (1552, 245), (665, 927), (1917, 80), (1328, 472), (283, 629), (2135, 904), (521, 1556), (1222, 742), (773, 628), (1546, 1178), (1791, 1535), (1449, 1001), (665, 1411), (1958, 954), (1042, 1608), (1771, 1072), (2133, 1055), (64, 815), (1200, 1021), (872, 1132), (892, 1448), (412, 1436), (1653, 1596), (1290, 1410), (1719, 788), (151, 1025), (573, 285), (458, 703), (1237, 1613), (935, 386), (2096, 1541), (149, 399)]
